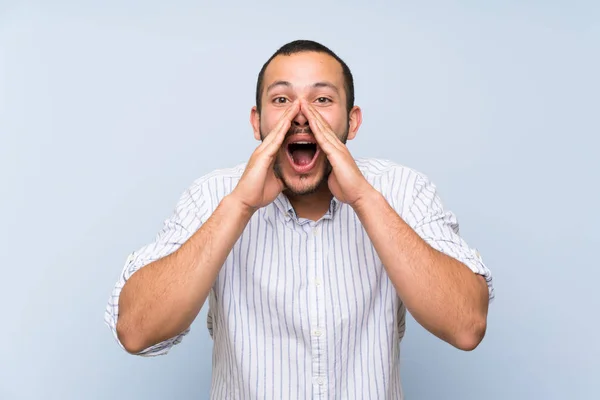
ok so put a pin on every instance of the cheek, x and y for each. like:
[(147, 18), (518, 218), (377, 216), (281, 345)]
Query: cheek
[(336, 120), (268, 122)]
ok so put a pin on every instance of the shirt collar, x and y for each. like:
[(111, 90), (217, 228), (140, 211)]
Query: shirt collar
[(286, 210)]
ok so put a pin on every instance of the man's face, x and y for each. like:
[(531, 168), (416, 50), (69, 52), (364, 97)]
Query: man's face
[(316, 78)]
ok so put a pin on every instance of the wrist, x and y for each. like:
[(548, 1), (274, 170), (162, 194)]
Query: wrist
[(369, 199), (233, 204)]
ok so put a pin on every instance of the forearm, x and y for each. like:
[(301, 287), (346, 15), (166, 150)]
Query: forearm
[(163, 298), (441, 293)]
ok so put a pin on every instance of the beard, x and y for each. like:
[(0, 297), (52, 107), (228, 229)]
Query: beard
[(327, 167)]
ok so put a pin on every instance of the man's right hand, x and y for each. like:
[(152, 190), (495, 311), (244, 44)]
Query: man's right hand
[(259, 186)]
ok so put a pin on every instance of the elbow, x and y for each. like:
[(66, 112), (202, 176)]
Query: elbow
[(132, 341), (469, 339)]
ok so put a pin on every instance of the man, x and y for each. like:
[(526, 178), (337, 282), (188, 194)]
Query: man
[(308, 257)]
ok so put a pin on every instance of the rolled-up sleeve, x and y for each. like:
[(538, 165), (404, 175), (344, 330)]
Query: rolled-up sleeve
[(187, 217), (440, 229)]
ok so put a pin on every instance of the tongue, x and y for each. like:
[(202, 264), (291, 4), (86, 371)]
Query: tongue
[(303, 157)]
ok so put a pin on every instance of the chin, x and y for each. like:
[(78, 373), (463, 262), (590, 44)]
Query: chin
[(302, 188), (302, 184)]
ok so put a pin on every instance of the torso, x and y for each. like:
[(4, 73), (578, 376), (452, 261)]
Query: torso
[(303, 308)]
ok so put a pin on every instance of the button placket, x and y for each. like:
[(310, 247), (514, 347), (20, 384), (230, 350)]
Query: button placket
[(318, 332)]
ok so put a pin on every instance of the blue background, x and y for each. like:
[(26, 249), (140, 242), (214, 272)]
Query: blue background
[(108, 112)]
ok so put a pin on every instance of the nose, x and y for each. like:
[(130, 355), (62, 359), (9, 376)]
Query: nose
[(300, 120)]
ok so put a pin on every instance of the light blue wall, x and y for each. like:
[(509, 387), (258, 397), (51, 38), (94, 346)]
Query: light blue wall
[(108, 112)]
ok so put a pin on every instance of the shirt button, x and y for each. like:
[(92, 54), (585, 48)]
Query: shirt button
[(317, 282), (314, 231), (320, 381), (317, 333)]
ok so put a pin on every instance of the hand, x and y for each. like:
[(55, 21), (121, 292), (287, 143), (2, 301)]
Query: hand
[(259, 186), (346, 181)]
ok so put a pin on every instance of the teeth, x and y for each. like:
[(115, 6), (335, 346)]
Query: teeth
[(304, 143)]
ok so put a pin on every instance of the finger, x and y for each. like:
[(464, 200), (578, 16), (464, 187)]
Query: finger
[(282, 125), (281, 130), (322, 131), (285, 117), (319, 121), (278, 133)]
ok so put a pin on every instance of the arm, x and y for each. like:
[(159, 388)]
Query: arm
[(441, 292), (162, 299), (151, 308)]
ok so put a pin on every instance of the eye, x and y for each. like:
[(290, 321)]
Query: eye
[(279, 100), (323, 100)]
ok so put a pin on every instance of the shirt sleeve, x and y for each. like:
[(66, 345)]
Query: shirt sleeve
[(440, 229), (187, 217)]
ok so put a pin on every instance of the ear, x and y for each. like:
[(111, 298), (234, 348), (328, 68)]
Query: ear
[(355, 120), (255, 122)]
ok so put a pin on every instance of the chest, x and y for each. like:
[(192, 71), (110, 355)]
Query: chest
[(300, 278)]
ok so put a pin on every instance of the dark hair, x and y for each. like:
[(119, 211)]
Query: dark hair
[(300, 46)]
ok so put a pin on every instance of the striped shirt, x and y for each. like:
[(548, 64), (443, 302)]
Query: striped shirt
[(303, 309)]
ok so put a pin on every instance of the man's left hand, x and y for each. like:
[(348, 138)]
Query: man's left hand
[(346, 181)]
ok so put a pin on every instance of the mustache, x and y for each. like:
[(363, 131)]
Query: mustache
[(296, 130)]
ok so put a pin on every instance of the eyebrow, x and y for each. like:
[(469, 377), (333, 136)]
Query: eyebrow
[(323, 84)]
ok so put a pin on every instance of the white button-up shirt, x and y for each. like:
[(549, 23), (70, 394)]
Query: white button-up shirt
[(303, 309)]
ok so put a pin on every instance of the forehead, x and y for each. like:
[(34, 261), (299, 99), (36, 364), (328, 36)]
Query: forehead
[(304, 69)]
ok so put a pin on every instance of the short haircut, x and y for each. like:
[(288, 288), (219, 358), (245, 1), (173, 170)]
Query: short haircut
[(300, 46)]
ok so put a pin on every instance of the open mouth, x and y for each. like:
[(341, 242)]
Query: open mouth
[(302, 154)]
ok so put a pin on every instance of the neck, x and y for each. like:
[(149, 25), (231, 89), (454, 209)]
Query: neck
[(312, 206)]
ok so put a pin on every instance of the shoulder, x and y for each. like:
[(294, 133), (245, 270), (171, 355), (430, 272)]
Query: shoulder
[(216, 184), (392, 172), (221, 174), (398, 183)]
